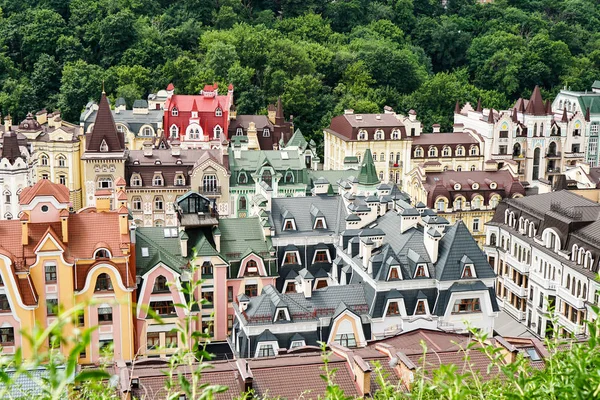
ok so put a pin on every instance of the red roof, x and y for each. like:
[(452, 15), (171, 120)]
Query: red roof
[(203, 104), (120, 181), (121, 196), (44, 187), (170, 87)]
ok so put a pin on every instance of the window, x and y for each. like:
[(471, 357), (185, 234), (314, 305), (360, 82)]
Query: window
[(289, 177), (251, 268), (319, 224), (418, 152), (290, 258), (432, 152), (281, 316), (44, 160), (157, 180), (147, 131), (106, 346), (101, 253), (474, 150), (4, 304), (503, 149), (62, 179), (104, 183), (362, 135), (218, 112), (297, 343), (503, 134), (171, 340), (420, 271), (321, 256), (103, 283), (420, 308), (251, 290), (466, 306), (290, 287), (50, 271), (467, 272), (322, 283), (382, 157), (446, 151), (159, 223), (179, 180), (346, 340), (137, 203), (163, 307), (379, 134), (217, 132), (158, 203), (207, 268), (210, 184), (393, 309), (239, 131), (103, 147), (105, 315), (51, 306), (45, 175), (7, 197), (208, 296), (230, 294), (395, 134), (174, 131), (7, 336), (476, 226), (136, 180), (266, 132), (374, 156), (174, 112), (441, 205), (152, 340), (289, 225), (266, 350), (394, 274), (576, 132), (242, 203), (458, 204), (267, 177), (242, 178), (194, 133), (460, 151), (160, 285), (62, 161), (473, 167)]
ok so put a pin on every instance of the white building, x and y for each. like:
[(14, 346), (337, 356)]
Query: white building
[(15, 174)]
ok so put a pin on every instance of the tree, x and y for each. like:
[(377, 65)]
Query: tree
[(80, 83), (116, 34), (45, 80)]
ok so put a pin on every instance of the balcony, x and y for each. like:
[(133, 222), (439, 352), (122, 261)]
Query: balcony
[(518, 156), (395, 164), (210, 190), (566, 295), (570, 325), (554, 156), (500, 156), (576, 154), (512, 310), (553, 171), (521, 267), (513, 287)]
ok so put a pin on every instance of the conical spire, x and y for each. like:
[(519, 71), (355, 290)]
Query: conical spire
[(565, 117), (368, 172), (536, 103), (478, 109), (10, 147), (490, 119), (105, 131), (548, 107), (522, 106), (194, 106), (457, 108), (279, 111), (515, 116)]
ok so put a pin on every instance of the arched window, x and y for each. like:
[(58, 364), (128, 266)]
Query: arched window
[(242, 178), (62, 161), (446, 151), (103, 147), (473, 167), (137, 203), (179, 180), (8, 216), (218, 112), (362, 135), (103, 283), (136, 180), (460, 151), (159, 203), (289, 177), (101, 253), (174, 112), (159, 223), (476, 202), (242, 203), (147, 131), (217, 132), (568, 282), (574, 252), (432, 151), (419, 152), (174, 131), (157, 180), (459, 168), (7, 197), (494, 201), (160, 285), (379, 134), (474, 150), (44, 160), (267, 177), (251, 268), (493, 239), (441, 205), (395, 134)]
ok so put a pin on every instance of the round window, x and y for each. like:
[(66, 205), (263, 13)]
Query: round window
[(44, 208)]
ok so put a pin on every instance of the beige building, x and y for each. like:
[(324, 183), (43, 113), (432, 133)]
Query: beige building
[(387, 135)]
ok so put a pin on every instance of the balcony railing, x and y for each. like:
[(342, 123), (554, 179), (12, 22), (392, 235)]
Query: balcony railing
[(575, 154), (566, 295), (210, 190), (570, 325), (516, 289), (555, 155), (512, 310)]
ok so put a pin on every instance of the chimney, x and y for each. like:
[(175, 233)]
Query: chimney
[(431, 239), (367, 248), (458, 127), (348, 111), (243, 301), (41, 116), (183, 240), (175, 148), (64, 225), (408, 220), (245, 373), (307, 281), (123, 221), (217, 239), (436, 128), (25, 228), (362, 374), (271, 113), (147, 148), (405, 368), (7, 122)]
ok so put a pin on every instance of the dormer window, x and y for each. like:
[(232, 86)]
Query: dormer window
[(218, 112), (157, 180), (321, 256), (320, 223), (289, 177), (147, 131), (420, 309), (136, 180), (432, 151), (457, 186), (362, 135), (466, 306), (493, 185), (174, 112), (395, 134), (101, 253), (157, 162), (446, 151), (266, 132), (460, 151), (421, 271), (103, 147), (281, 315), (239, 131), (378, 134), (179, 180), (297, 343), (474, 150), (419, 152), (242, 178), (251, 268), (468, 271), (289, 225), (394, 274), (291, 257), (393, 309)]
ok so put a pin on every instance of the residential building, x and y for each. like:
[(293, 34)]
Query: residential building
[(53, 149), (387, 135), (141, 123), (544, 249), (469, 196), (54, 258), (198, 121), (15, 174), (531, 135), (585, 103)]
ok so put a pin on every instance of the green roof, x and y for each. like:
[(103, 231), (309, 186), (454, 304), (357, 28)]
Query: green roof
[(350, 160), (596, 85), (332, 176), (160, 249), (239, 236), (205, 249), (297, 140), (252, 160), (368, 173)]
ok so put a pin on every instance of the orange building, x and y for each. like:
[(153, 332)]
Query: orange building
[(53, 259)]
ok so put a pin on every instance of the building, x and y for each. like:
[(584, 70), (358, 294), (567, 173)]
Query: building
[(51, 258), (198, 121), (541, 142), (104, 157), (544, 249), (264, 132), (585, 103), (158, 174), (141, 123), (15, 174), (53, 149), (469, 196), (387, 135)]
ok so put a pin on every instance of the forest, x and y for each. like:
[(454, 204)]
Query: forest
[(320, 56)]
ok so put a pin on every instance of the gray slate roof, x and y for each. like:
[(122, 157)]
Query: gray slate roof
[(332, 208)]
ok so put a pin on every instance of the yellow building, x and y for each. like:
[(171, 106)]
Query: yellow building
[(52, 259), (387, 135), (55, 148), (470, 196)]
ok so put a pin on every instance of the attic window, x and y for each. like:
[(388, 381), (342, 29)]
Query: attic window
[(218, 112), (174, 112), (320, 223), (170, 232), (468, 271), (394, 275), (393, 309), (321, 256), (157, 162), (266, 132), (176, 162), (420, 271), (103, 146), (475, 186), (290, 258), (493, 185), (297, 343), (420, 308), (251, 268), (281, 315), (289, 177), (242, 178), (239, 131), (289, 225), (362, 135), (145, 252), (457, 186)]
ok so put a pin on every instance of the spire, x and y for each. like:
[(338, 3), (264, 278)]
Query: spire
[(279, 111), (457, 108), (10, 147), (536, 103), (490, 119), (368, 172), (103, 92), (548, 107), (515, 116), (478, 109), (565, 117), (522, 106), (194, 106), (105, 131), (587, 114)]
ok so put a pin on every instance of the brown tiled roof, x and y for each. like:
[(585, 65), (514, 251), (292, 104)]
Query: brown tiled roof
[(536, 106), (348, 125), (441, 139), (105, 130), (10, 147), (27, 290), (45, 187)]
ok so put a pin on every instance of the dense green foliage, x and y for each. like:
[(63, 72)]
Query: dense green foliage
[(321, 56)]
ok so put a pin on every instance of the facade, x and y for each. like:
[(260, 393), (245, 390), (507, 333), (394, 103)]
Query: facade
[(52, 257), (588, 104), (138, 125), (545, 251), (15, 174), (198, 121), (470, 196), (53, 149), (387, 135), (540, 142)]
